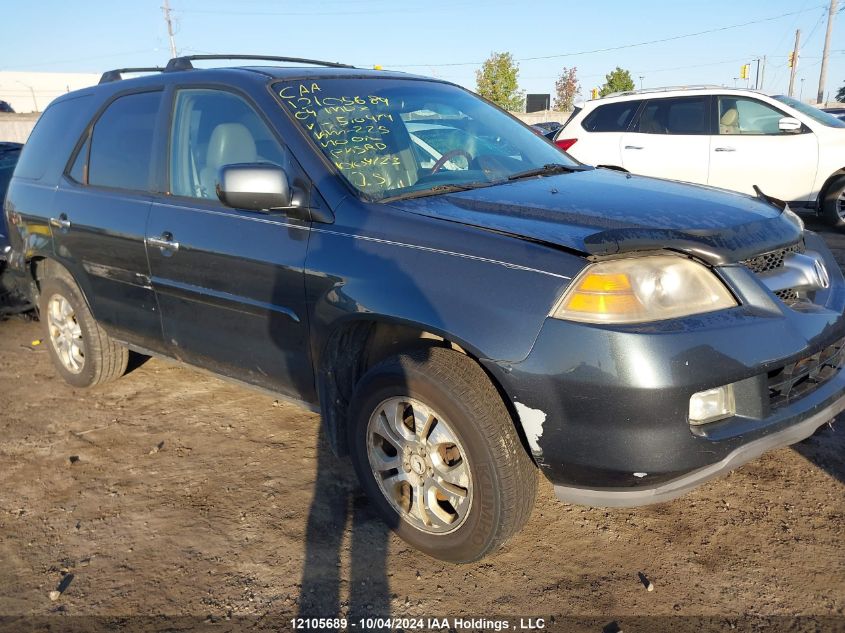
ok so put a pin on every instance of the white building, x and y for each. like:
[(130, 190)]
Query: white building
[(32, 91)]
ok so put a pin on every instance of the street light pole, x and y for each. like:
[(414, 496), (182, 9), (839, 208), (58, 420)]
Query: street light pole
[(32, 92)]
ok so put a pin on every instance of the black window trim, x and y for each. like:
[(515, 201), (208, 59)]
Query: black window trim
[(87, 135)]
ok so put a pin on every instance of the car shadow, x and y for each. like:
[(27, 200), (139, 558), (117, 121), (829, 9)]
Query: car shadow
[(826, 449), (347, 540), (339, 507)]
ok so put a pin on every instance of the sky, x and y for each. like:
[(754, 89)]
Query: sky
[(446, 38)]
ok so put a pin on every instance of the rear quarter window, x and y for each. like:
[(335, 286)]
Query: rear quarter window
[(613, 117), (51, 142)]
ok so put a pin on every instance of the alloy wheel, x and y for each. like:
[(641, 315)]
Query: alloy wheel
[(65, 333), (419, 465)]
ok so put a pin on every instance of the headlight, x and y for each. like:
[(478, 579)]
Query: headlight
[(640, 289)]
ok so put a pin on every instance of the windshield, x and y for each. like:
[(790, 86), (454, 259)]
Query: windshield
[(390, 137), (825, 118)]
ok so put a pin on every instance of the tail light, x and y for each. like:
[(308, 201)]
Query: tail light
[(565, 143)]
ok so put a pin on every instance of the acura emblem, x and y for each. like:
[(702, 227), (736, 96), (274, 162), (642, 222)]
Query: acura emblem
[(821, 273)]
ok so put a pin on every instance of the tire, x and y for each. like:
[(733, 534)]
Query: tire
[(486, 460), (97, 358), (833, 203)]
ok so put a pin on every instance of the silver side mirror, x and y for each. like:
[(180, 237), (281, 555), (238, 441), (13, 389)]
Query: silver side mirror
[(254, 186), (789, 124)]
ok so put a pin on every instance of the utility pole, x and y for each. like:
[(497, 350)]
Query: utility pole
[(826, 50), (794, 62), (641, 82), (762, 73), (757, 78), (166, 9)]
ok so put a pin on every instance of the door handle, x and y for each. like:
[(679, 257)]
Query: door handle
[(633, 147), (60, 222), (165, 242), (725, 149)]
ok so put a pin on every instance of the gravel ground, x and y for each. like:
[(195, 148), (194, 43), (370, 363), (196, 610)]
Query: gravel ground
[(172, 493)]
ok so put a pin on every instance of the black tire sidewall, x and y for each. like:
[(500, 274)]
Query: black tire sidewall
[(828, 203), (476, 535), (52, 286)]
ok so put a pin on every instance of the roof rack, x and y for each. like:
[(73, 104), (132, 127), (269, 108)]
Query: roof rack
[(625, 93), (184, 63), (116, 75)]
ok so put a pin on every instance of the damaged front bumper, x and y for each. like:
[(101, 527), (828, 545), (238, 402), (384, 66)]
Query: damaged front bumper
[(605, 409)]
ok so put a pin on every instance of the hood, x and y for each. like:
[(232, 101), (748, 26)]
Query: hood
[(603, 212)]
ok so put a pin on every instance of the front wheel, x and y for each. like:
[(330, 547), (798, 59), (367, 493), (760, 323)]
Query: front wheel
[(436, 450), (833, 203)]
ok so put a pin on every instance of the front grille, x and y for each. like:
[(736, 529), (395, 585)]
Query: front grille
[(788, 295), (797, 379), (772, 261)]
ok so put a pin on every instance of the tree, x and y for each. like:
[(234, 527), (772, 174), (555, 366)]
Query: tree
[(498, 81), (566, 89), (618, 80), (840, 96)]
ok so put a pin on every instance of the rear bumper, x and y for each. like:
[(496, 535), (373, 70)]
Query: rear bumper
[(13, 299)]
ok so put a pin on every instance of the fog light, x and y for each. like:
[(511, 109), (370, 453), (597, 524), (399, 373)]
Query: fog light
[(711, 405)]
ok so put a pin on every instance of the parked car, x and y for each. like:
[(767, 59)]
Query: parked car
[(839, 113), (5, 107), (460, 320), (546, 129), (10, 300), (548, 126), (729, 138)]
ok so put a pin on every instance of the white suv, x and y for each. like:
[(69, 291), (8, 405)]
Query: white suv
[(728, 138)]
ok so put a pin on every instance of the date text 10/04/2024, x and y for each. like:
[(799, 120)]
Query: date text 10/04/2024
[(426, 623)]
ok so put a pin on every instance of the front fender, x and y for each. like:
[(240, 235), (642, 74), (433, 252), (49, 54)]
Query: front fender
[(487, 292)]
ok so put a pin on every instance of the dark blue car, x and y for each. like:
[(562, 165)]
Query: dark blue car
[(463, 303), (11, 301)]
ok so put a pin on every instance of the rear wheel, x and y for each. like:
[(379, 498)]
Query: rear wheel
[(833, 203), (436, 450), (81, 350)]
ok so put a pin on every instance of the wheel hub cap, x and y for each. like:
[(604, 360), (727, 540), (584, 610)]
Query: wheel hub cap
[(419, 465)]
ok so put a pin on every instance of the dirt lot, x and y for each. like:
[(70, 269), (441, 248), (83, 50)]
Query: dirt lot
[(171, 492)]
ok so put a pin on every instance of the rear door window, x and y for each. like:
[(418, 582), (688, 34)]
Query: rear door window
[(122, 142), (613, 117), (678, 115)]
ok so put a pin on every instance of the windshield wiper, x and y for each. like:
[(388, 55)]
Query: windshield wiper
[(548, 170), (435, 190)]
